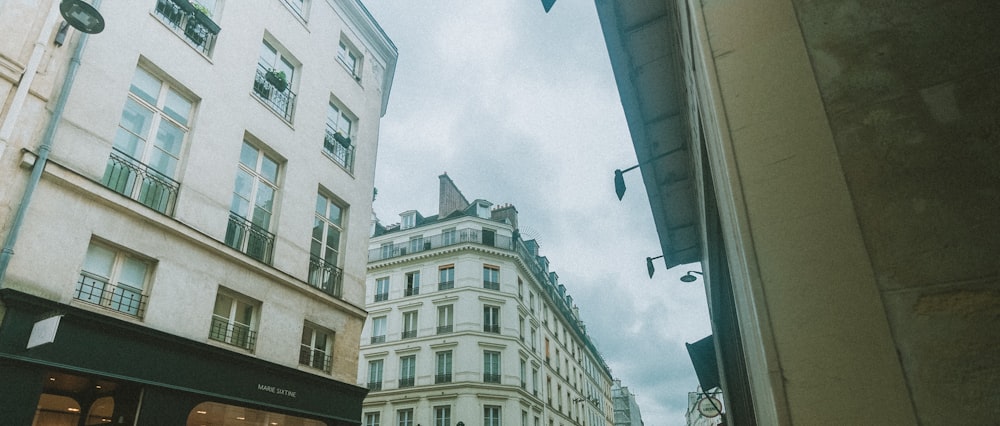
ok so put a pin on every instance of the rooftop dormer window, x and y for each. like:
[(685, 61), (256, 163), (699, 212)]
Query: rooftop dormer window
[(407, 220)]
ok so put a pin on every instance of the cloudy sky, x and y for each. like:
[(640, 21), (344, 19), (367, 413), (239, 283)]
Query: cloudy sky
[(520, 107)]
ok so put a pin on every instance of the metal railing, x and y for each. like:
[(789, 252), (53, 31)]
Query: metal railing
[(378, 339), (409, 334), (338, 152), (406, 383), (326, 276), (491, 328), (446, 285), (379, 297), (442, 378), (315, 358), (197, 28), (463, 236), (252, 240), (445, 329), (374, 386), (411, 291), (491, 378), (491, 285), (131, 178), (232, 333), (281, 101), (120, 298)]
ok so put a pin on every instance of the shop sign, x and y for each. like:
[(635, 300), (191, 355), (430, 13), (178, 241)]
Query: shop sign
[(708, 407), (44, 331), (276, 390)]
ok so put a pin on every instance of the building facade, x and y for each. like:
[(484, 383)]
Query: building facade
[(626, 407), (833, 167), (185, 206), (467, 325)]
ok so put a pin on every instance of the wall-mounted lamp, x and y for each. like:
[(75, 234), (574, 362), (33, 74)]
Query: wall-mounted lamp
[(688, 278), (649, 264), (620, 180), (82, 16)]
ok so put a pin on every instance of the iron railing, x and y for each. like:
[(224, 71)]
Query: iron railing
[(315, 358), (406, 383), (412, 291), (409, 334), (326, 276), (338, 152), (120, 298), (197, 28), (378, 339), (491, 285), (131, 178), (281, 101), (442, 378), (491, 328), (491, 378), (232, 333), (445, 329), (451, 238), (374, 386), (252, 240), (446, 285)]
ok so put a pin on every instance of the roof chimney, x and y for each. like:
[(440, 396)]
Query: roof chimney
[(505, 213), (450, 199)]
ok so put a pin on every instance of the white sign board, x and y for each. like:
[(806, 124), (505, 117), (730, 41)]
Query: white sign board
[(44, 331)]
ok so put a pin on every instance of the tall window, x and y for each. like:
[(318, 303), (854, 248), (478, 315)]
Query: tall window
[(337, 142), (316, 349), (147, 147), (405, 417), (534, 381), (416, 244), (274, 80), (524, 374), (491, 415), (372, 419), (194, 22), (491, 319), (442, 372), (531, 301), (324, 251), (520, 327), (445, 319), (446, 277), (442, 416), (520, 288), (253, 204), (409, 324), (234, 319), (378, 329), (412, 284), (113, 279), (534, 332), (382, 289), (349, 58), (407, 370), (491, 367), (375, 374), (448, 237), (491, 277)]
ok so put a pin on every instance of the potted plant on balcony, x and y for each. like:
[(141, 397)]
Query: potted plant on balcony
[(342, 139), (202, 15), (277, 79)]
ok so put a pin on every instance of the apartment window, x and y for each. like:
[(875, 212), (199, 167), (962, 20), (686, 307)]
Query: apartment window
[(491, 319), (442, 416), (531, 301), (234, 319), (446, 277), (520, 288), (337, 143), (524, 374), (324, 250), (534, 381), (373, 419), (113, 279), (448, 237), (409, 324), (147, 147), (193, 22), (442, 372), (547, 351), (412, 284), (520, 328), (350, 59), (445, 319), (408, 220), (253, 204), (316, 350), (385, 250), (491, 367), (378, 329), (404, 417), (524, 418), (382, 289), (375, 374), (491, 415), (534, 332), (491, 277), (407, 370), (274, 80)]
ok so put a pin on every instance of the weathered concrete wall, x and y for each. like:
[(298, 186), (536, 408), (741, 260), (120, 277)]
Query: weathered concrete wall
[(912, 93)]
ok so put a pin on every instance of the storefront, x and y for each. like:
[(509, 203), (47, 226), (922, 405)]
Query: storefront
[(103, 371)]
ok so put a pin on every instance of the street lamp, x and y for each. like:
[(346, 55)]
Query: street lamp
[(82, 16)]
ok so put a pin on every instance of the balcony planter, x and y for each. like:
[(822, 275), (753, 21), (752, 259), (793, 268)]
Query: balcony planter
[(184, 5), (342, 140), (277, 79), (201, 15)]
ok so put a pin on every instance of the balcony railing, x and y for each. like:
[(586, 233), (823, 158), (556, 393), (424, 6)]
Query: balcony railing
[(378, 339), (442, 378), (196, 27), (409, 334), (252, 240), (131, 178), (445, 329), (120, 298), (326, 276), (232, 333), (446, 285), (464, 236), (406, 383), (281, 101), (491, 328), (374, 386), (379, 297), (491, 378), (339, 152), (491, 285), (315, 358), (411, 291)]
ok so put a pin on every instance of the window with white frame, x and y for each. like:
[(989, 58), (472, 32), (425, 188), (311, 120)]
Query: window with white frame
[(491, 367), (337, 142), (114, 279), (416, 244), (407, 220), (409, 324), (385, 250), (375, 374), (275, 78), (252, 207), (442, 415), (405, 417), (491, 415), (193, 20), (491, 277), (324, 250), (524, 374), (378, 329), (373, 419), (491, 319), (412, 284), (349, 57), (147, 148), (382, 289), (316, 349), (442, 372), (449, 236), (446, 277), (407, 370), (234, 320), (445, 319)]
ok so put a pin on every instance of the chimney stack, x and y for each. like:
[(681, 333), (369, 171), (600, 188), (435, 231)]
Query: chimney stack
[(450, 199)]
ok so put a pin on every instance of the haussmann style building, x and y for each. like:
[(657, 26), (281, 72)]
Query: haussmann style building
[(467, 325), (626, 407), (185, 201)]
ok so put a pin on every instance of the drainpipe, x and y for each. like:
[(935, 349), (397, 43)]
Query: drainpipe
[(28, 77), (43, 154)]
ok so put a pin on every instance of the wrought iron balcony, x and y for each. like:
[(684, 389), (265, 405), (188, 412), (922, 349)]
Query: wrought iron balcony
[(326, 276), (491, 285), (374, 386), (491, 328), (131, 178), (442, 378), (412, 291), (445, 329), (120, 298), (232, 333), (406, 383), (252, 240), (446, 285), (378, 339), (315, 358), (379, 297), (340, 150), (491, 378), (281, 101), (464, 236), (409, 334), (182, 17)]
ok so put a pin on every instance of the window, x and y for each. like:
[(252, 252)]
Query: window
[(520, 288), (382, 289), (534, 381), (491, 277), (274, 80), (491, 367), (446, 277), (405, 417), (417, 244), (442, 416), (375, 374), (372, 419), (300, 7), (534, 332), (443, 370), (448, 237), (409, 324), (491, 415), (385, 251), (520, 328), (491, 319), (445, 319), (350, 59), (408, 220), (114, 280), (253, 204), (524, 374), (337, 141), (524, 418), (531, 301), (407, 370), (234, 320), (317, 348), (194, 23), (378, 330), (147, 147), (412, 284), (324, 251)]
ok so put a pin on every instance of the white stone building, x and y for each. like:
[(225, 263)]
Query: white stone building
[(201, 222), (467, 325), (626, 407)]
